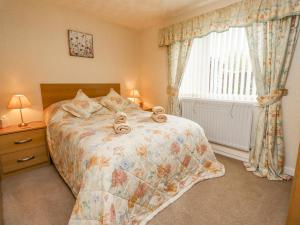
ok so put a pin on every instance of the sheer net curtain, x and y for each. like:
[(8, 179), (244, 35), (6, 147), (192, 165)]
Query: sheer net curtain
[(219, 67)]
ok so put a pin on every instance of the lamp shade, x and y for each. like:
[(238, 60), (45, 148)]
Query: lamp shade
[(18, 102), (134, 93)]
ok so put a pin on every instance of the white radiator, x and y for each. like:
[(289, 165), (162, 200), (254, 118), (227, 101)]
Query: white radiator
[(225, 123)]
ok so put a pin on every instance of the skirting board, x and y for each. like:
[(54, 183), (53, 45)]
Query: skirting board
[(241, 155)]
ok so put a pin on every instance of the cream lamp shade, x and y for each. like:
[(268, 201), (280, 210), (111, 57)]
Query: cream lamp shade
[(18, 102), (134, 95)]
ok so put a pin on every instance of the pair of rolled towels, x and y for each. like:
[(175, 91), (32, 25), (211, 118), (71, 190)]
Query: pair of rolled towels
[(122, 127), (158, 114), (120, 123)]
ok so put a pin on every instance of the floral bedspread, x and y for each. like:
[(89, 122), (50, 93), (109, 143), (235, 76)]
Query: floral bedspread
[(127, 179)]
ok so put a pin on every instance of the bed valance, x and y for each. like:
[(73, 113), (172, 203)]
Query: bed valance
[(238, 14)]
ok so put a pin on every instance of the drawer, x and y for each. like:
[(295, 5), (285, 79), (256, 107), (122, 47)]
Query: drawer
[(22, 140), (24, 158)]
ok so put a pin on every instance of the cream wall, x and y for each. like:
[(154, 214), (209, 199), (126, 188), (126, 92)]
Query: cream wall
[(153, 67), (291, 111), (154, 82), (34, 49)]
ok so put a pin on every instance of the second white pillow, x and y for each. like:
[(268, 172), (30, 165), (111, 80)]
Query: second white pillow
[(114, 101)]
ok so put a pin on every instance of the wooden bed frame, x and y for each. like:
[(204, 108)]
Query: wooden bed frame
[(52, 93)]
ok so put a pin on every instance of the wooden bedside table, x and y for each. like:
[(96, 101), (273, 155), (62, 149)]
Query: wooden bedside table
[(22, 147), (149, 109)]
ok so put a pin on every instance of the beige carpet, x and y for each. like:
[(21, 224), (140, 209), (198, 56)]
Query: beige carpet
[(40, 197)]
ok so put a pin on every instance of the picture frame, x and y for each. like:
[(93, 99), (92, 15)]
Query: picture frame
[(80, 44)]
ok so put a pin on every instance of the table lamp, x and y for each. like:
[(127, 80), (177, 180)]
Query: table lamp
[(19, 102), (134, 95)]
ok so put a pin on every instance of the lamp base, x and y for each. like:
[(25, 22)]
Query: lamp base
[(22, 124)]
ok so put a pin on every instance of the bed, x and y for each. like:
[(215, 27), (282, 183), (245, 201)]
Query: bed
[(123, 179)]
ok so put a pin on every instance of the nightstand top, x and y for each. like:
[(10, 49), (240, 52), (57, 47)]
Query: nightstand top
[(15, 128), (147, 108)]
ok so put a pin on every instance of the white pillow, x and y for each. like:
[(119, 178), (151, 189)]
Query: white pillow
[(114, 101), (81, 106)]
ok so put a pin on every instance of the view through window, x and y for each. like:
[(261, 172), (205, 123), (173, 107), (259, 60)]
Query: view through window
[(219, 67)]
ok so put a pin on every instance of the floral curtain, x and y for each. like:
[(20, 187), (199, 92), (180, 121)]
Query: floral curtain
[(271, 45), (242, 13), (178, 54)]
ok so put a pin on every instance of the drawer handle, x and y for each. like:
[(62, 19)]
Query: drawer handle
[(23, 141), (25, 159)]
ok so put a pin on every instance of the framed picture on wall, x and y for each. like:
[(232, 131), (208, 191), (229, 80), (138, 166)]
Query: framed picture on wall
[(80, 44)]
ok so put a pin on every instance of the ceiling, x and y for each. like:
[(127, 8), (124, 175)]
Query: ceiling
[(136, 14)]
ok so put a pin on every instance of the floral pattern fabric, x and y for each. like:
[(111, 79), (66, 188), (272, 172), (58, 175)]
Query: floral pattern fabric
[(81, 106), (114, 101), (239, 14), (178, 55), (127, 179), (272, 46)]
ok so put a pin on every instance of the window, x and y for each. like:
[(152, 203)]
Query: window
[(219, 67)]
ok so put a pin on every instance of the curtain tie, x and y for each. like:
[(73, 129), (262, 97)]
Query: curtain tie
[(271, 98), (172, 91)]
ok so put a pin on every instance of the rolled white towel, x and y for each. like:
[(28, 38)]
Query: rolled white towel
[(122, 128), (159, 118), (120, 117), (158, 110)]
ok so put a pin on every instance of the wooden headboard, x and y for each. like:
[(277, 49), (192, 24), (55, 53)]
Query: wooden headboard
[(52, 93)]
